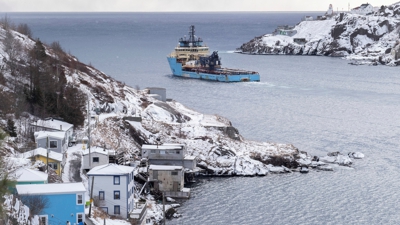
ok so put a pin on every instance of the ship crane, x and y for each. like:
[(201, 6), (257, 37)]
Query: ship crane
[(210, 61)]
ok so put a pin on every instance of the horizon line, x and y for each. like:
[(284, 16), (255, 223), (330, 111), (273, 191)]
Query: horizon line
[(149, 11)]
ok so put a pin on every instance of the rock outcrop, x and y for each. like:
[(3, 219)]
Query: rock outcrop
[(370, 39)]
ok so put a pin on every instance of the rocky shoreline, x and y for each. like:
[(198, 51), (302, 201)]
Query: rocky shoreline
[(363, 39)]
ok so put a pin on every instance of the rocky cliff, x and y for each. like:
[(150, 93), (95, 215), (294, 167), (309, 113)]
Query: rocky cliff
[(364, 39)]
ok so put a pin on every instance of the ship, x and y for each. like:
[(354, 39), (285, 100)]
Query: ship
[(192, 59)]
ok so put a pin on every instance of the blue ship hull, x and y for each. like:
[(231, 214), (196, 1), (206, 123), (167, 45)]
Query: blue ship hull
[(215, 75)]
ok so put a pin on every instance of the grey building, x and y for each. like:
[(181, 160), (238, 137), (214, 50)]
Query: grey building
[(169, 180), (55, 141), (168, 154)]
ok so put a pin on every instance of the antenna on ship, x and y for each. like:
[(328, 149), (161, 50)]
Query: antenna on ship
[(192, 39)]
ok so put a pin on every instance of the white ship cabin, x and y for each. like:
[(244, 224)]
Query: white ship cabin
[(190, 49)]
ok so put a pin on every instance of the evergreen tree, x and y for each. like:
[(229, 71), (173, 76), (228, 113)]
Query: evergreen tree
[(12, 130), (5, 182)]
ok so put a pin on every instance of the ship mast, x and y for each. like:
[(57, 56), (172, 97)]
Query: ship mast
[(192, 39)]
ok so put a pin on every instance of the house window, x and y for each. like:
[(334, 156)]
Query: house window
[(79, 217), (96, 159), (174, 173), (79, 199), (116, 210), (105, 209), (101, 195), (117, 195), (153, 151), (116, 180), (162, 152), (178, 152), (43, 219), (53, 144), (54, 166)]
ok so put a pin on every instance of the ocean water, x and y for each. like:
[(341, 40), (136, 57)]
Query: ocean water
[(318, 104)]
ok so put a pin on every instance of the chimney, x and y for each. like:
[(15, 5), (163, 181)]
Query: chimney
[(60, 127)]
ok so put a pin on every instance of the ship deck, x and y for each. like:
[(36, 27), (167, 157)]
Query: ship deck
[(219, 71)]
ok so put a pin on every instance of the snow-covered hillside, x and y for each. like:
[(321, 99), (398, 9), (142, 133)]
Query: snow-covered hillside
[(219, 147), (369, 39)]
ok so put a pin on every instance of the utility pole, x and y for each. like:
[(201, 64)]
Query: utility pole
[(88, 112), (47, 158), (163, 206), (91, 197)]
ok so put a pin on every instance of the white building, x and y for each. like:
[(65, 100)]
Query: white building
[(51, 124), (114, 187), (96, 157), (364, 9), (330, 11)]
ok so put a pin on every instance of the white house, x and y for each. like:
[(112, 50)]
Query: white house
[(307, 18), (113, 185), (363, 9), (96, 157), (51, 124)]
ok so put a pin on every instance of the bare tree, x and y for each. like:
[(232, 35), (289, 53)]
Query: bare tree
[(36, 203), (23, 28)]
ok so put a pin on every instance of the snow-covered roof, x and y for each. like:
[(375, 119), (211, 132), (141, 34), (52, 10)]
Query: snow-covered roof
[(99, 150), (158, 167), (53, 124), (110, 169), (29, 175), (163, 146), (43, 152), (53, 134), (190, 157), (55, 188)]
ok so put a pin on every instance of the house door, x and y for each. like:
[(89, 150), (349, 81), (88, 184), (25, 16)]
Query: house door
[(175, 186), (155, 175)]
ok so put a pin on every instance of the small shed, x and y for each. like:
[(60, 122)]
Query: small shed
[(307, 18), (97, 156)]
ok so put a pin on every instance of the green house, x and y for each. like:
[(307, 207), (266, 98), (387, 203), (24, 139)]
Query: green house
[(29, 176)]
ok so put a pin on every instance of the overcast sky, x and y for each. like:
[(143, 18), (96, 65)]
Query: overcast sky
[(179, 5)]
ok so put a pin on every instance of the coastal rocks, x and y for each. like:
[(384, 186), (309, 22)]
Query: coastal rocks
[(356, 155), (355, 37), (337, 158)]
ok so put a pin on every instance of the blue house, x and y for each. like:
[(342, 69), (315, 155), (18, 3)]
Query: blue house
[(66, 201)]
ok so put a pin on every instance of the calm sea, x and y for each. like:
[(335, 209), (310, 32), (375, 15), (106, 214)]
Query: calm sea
[(319, 104)]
